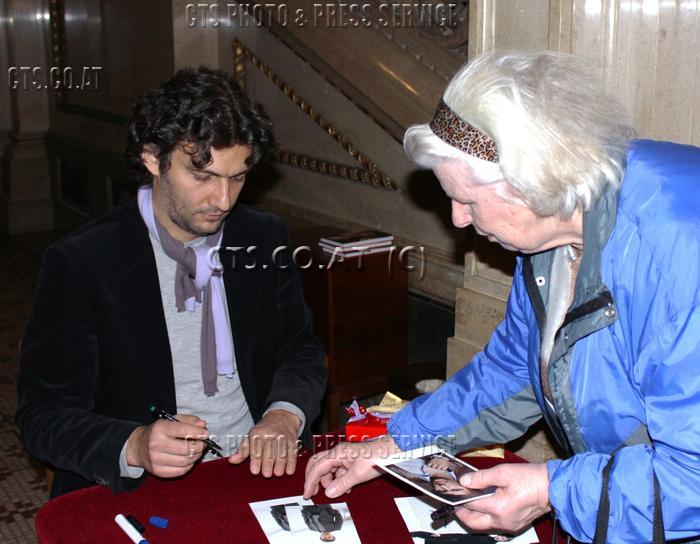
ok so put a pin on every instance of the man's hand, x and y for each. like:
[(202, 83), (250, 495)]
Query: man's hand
[(343, 467), (167, 448), (271, 445), (522, 496)]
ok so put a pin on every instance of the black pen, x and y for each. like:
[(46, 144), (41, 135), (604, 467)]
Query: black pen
[(442, 512), (162, 414)]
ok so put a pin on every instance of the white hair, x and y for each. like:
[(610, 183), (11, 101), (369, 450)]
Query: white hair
[(560, 137), (428, 151)]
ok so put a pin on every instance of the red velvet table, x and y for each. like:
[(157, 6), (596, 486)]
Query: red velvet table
[(210, 504)]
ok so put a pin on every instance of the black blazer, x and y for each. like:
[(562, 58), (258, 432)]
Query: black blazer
[(96, 353)]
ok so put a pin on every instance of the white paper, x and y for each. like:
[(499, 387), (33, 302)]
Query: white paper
[(302, 534), (416, 511), (273, 531)]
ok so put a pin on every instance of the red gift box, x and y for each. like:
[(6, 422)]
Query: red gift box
[(362, 429), (363, 425)]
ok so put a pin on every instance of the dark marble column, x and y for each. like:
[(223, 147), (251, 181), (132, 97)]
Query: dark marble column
[(25, 196)]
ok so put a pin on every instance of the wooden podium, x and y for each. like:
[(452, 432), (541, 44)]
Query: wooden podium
[(360, 308)]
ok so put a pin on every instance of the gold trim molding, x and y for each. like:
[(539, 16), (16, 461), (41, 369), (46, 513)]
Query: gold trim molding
[(368, 172)]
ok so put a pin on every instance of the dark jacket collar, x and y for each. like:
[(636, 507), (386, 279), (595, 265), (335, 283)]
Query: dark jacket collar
[(598, 223)]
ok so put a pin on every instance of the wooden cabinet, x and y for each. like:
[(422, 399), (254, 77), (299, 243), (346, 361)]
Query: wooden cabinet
[(360, 309)]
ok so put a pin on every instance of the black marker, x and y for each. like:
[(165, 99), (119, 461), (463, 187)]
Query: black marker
[(444, 511), (137, 525), (162, 414)]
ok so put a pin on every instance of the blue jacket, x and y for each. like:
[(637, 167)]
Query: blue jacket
[(625, 366)]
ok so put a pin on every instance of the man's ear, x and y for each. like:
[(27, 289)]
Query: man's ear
[(150, 160)]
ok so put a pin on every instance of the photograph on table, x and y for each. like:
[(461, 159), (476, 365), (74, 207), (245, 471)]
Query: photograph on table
[(436, 473), (272, 517), (322, 523), (416, 512)]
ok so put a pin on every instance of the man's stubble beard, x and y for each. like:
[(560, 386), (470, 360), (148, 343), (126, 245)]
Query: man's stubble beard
[(175, 212)]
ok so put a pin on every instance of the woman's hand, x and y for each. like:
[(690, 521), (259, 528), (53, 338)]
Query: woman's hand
[(341, 468), (522, 496)]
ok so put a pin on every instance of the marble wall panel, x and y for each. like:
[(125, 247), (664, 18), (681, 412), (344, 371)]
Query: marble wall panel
[(476, 316), (25, 196), (5, 102), (648, 53), (27, 44), (515, 24), (194, 42)]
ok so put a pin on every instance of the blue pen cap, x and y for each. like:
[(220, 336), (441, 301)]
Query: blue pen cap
[(157, 521)]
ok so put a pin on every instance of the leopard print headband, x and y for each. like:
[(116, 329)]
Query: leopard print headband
[(453, 130)]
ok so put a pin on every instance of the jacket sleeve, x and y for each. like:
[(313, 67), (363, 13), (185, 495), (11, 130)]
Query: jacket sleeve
[(300, 373), (59, 376), (670, 384), (488, 401)]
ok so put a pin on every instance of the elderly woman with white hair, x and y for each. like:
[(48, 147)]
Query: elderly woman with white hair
[(601, 335)]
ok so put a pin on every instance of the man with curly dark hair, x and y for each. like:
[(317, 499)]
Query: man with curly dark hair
[(153, 306)]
